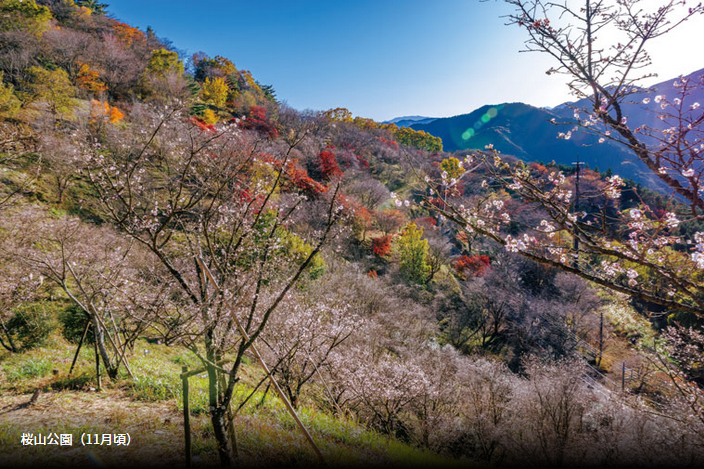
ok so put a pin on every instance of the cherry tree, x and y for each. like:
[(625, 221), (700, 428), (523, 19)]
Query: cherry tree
[(100, 271), (196, 196), (17, 286), (301, 341)]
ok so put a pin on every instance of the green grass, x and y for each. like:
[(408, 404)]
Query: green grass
[(30, 368), (627, 322), (266, 432)]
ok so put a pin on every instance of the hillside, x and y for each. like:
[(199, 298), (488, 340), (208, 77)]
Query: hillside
[(318, 288), (527, 132)]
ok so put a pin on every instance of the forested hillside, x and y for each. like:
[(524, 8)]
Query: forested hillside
[(167, 220)]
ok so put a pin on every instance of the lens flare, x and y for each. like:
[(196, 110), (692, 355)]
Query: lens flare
[(467, 134)]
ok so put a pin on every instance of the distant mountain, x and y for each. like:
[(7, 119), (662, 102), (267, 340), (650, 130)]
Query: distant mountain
[(407, 121), (526, 132)]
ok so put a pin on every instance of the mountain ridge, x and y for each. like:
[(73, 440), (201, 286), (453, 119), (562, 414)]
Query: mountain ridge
[(526, 131)]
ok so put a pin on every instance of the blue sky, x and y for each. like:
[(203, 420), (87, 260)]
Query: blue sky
[(380, 59)]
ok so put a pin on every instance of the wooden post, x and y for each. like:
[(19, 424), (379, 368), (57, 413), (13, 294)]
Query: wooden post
[(601, 338), (97, 359), (623, 377), (186, 416), (80, 343)]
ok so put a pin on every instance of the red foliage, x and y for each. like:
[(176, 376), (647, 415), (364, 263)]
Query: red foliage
[(257, 120), (382, 246), (426, 221), (391, 143), (244, 196), (202, 124), (257, 112), (372, 273), (299, 177), (439, 203), (328, 164), (472, 266), (362, 161)]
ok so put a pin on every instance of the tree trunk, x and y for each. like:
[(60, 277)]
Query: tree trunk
[(99, 337), (225, 449), (11, 344)]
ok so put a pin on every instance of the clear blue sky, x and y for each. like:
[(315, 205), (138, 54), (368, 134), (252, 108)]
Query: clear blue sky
[(378, 58)]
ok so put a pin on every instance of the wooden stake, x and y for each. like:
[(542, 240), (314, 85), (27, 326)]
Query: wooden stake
[(623, 377), (80, 343), (97, 359), (186, 416)]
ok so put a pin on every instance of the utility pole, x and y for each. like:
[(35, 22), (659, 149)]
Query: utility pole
[(577, 169)]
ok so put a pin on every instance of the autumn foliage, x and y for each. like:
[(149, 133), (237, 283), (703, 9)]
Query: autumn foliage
[(382, 246), (127, 34), (103, 110), (258, 120), (328, 164), (300, 179), (89, 79), (471, 266)]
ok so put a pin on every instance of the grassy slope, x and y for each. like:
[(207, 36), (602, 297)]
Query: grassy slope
[(150, 409)]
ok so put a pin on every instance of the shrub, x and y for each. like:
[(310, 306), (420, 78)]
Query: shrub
[(30, 325), (73, 320)]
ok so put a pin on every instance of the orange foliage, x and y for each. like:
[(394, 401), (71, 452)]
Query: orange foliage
[(391, 143), (127, 34), (89, 79), (103, 110), (115, 115), (201, 124), (362, 217), (537, 167), (462, 237)]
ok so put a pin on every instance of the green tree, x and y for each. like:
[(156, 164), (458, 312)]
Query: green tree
[(412, 252), (452, 167), (96, 8), (24, 15), (9, 104), (164, 61), (269, 92), (215, 91), (418, 139), (52, 87)]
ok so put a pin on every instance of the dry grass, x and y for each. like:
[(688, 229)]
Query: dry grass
[(148, 408)]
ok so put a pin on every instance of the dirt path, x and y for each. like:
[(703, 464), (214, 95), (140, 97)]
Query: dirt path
[(155, 429)]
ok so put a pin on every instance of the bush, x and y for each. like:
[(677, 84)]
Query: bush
[(73, 320), (30, 325)]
